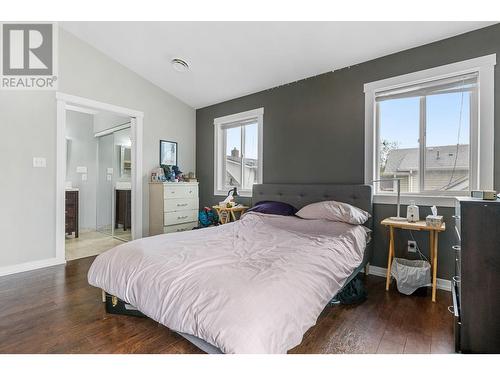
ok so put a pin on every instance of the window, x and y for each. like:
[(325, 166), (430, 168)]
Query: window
[(238, 152), (423, 129), (424, 135)]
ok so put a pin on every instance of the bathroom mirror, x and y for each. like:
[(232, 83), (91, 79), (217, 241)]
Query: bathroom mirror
[(125, 161)]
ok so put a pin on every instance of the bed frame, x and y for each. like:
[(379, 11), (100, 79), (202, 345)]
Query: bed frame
[(300, 195)]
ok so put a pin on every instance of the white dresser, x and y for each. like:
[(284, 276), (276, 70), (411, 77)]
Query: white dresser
[(173, 207)]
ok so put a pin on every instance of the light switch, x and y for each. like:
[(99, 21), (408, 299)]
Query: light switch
[(109, 177), (110, 171), (84, 176), (39, 162), (81, 169)]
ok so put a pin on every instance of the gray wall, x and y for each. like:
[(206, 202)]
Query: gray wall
[(314, 128), (28, 126), (82, 152)]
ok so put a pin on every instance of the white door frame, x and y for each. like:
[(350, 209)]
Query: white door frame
[(67, 102)]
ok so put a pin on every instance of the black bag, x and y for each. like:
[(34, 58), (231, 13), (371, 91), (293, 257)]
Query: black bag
[(352, 293), (114, 305)]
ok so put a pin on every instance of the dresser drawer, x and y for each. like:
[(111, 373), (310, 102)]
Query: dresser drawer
[(170, 192), (458, 260), (455, 310), (457, 233), (177, 204), (180, 227), (457, 220), (178, 217)]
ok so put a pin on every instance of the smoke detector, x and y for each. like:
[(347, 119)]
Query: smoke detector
[(180, 65)]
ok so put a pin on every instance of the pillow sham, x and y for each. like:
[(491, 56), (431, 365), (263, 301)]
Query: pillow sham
[(274, 208), (334, 211)]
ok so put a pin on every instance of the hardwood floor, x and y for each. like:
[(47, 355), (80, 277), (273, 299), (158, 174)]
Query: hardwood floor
[(54, 310)]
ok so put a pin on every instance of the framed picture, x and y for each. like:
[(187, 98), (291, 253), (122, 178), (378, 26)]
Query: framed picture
[(168, 152)]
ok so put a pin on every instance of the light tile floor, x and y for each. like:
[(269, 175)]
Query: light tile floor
[(125, 235), (89, 244)]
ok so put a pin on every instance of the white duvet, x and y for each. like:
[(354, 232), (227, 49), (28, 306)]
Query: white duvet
[(253, 286)]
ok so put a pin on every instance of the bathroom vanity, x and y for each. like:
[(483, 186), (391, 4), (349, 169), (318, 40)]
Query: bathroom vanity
[(71, 211)]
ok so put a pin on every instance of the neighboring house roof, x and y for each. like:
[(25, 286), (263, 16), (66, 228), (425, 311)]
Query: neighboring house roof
[(437, 158), (233, 168), (250, 163)]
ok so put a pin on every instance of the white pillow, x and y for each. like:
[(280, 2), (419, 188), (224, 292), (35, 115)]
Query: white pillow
[(335, 211)]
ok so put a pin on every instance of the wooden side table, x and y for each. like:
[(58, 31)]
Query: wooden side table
[(433, 241), (226, 214)]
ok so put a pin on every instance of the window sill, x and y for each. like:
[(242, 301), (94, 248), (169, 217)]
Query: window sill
[(420, 200), (241, 193)]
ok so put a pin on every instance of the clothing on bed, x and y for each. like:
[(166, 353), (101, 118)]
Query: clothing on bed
[(252, 286), (274, 208)]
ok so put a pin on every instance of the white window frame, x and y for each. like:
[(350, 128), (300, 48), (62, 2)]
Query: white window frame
[(219, 170), (482, 137)]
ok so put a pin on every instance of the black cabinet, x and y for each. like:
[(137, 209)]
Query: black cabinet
[(71, 212), (476, 284), (123, 208)]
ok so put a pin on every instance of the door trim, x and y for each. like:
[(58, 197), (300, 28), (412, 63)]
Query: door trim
[(66, 102)]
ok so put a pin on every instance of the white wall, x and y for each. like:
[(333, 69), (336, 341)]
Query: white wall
[(27, 194), (82, 152), (105, 186), (28, 128)]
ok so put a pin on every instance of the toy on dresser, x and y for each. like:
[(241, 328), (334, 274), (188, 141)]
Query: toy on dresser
[(167, 173)]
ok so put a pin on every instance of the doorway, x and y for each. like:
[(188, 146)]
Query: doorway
[(99, 188)]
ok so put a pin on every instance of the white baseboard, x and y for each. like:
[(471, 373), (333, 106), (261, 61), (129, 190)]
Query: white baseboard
[(30, 266), (380, 271)]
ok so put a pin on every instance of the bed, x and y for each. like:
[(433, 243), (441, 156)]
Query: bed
[(253, 286)]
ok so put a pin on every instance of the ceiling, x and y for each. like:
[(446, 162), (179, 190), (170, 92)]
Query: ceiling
[(231, 59)]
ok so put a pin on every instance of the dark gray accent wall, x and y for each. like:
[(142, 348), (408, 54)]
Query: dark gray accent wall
[(314, 128)]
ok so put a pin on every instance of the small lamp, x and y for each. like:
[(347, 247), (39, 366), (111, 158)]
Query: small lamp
[(398, 216), (233, 192)]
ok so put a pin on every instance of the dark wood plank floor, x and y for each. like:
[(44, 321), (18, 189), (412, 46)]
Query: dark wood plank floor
[(54, 310)]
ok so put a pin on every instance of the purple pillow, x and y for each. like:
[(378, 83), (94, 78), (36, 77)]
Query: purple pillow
[(274, 208)]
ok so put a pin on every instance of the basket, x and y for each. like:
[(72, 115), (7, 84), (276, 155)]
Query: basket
[(410, 274)]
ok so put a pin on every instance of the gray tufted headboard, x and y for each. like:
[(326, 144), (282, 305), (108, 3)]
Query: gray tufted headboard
[(300, 195)]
